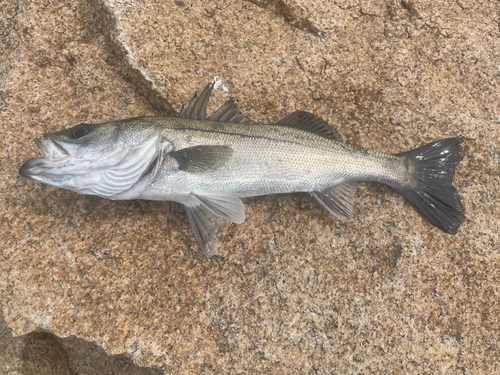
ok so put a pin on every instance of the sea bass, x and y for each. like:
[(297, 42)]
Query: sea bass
[(209, 164)]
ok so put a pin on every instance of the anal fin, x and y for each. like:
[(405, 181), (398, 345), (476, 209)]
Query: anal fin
[(338, 199), (209, 215)]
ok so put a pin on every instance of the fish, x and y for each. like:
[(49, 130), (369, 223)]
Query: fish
[(209, 164)]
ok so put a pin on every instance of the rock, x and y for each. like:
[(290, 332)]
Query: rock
[(41, 353), (292, 289)]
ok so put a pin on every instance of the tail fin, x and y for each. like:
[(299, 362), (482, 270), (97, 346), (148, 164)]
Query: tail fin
[(430, 190)]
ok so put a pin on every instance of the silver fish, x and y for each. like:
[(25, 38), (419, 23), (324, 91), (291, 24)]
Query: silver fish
[(209, 164)]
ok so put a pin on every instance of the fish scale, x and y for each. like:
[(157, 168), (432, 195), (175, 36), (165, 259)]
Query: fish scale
[(267, 159)]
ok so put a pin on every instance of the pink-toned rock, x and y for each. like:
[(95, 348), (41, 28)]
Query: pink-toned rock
[(292, 289)]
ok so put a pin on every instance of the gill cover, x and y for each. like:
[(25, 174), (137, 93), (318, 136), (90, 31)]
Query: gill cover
[(120, 178)]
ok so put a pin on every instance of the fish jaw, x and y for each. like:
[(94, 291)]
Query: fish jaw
[(59, 160), (63, 173), (107, 175), (30, 168), (57, 149), (53, 163)]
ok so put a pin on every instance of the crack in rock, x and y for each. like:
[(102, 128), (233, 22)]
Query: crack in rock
[(104, 22), (295, 15)]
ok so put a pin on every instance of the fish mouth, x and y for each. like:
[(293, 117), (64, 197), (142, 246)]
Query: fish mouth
[(52, 149), (53, 153), (27, 168)]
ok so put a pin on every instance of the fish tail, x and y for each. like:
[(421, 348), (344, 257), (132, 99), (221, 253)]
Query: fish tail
[(429, 185)]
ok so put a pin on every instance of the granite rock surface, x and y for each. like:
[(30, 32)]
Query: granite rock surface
[(43, 353), (292, 289)]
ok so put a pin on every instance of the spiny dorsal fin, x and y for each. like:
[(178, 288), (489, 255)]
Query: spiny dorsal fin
[(310, 123), (338, 199), (197, 109), (200, 159)]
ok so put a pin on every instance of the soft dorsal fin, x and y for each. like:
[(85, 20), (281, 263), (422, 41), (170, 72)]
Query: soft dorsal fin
[(197, 109), (310, 123)]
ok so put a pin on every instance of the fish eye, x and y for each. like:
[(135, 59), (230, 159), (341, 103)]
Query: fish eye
[(81, 130)]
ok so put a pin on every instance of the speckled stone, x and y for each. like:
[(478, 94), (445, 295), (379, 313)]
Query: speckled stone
[(42, 353), (292, 289)]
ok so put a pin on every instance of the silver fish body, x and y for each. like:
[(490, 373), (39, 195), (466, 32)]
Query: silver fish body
[(208, 164), (264, 159)]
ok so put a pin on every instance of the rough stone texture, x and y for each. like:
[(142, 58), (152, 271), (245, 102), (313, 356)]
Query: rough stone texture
[(10, 351), (42, 353), (292, 289)]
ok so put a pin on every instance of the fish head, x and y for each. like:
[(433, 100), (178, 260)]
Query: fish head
[(104, 159)]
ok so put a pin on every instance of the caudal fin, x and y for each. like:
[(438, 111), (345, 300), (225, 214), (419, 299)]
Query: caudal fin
[(430, 188)]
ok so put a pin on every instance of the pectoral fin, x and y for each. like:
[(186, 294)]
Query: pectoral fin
[(338, 199), (200, 159), (209, 215)]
